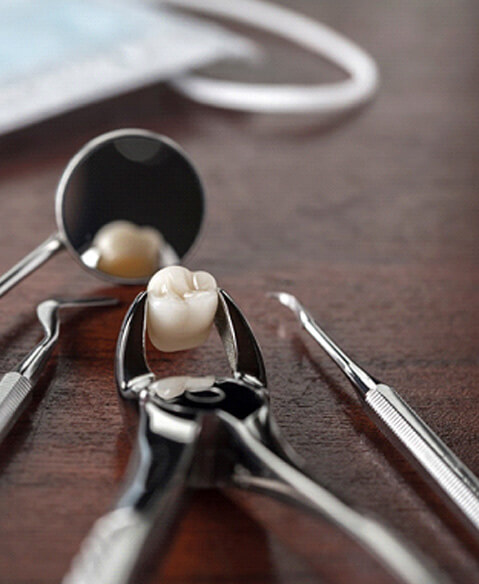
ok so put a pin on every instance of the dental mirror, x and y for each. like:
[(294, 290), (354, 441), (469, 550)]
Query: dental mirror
[(128, 203)]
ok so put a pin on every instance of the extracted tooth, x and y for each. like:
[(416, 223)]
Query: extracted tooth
[(127, 250), (181, 308)]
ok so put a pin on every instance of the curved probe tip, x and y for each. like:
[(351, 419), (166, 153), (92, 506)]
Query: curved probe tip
[(289, 301)]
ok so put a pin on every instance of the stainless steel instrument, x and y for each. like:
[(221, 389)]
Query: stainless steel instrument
[(458, 485), (222, 436), (16, 386)]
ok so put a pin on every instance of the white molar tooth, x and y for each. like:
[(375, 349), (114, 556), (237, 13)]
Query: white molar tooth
[(181, 308), (128, 250)]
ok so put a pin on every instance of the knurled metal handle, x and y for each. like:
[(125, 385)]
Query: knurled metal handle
[(15, 393), (423, 445)]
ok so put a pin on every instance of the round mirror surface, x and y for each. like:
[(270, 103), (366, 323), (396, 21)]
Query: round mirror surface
[(129, 203)]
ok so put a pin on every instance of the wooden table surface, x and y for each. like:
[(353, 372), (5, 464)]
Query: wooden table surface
[(372, 222)]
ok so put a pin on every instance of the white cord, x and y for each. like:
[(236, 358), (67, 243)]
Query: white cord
[(327, 98)]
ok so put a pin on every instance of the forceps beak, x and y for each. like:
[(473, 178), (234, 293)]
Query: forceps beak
[(132, 372), (241, 347), (131, 367)]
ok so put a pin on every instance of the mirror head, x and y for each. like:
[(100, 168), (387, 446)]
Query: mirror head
[(128, 203)]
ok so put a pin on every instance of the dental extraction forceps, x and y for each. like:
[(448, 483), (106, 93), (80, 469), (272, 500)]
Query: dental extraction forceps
[(16, 386), (457, 484), (223, 436)]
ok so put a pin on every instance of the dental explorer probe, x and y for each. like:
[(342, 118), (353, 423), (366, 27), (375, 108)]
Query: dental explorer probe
[(459, 485), (16, 386)]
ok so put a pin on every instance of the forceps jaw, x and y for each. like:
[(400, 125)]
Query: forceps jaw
[(241, 347), (133, 374)]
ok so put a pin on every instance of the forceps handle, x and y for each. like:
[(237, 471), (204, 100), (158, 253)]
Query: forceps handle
[(15, 393), (119, 547), (291, 484), (110, 553), (30, 263), (423, 445)]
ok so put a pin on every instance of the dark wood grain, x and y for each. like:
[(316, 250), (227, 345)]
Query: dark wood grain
[(372, 222)]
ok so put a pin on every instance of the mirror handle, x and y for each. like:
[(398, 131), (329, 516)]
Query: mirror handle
[(31, 262)]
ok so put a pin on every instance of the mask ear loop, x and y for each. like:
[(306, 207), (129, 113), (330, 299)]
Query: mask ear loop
[(326, 98)]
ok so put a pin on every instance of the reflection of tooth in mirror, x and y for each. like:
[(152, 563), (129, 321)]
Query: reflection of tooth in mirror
[(181, 308), (135, 176), (172, 387), (126, 250), (137, 149)]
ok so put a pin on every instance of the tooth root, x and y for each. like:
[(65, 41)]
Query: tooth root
[(181, 308), (127, 250)]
